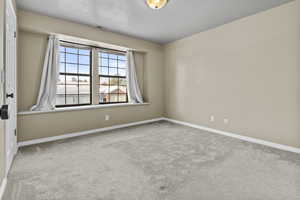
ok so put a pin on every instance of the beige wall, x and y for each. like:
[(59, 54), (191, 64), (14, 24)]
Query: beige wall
[(32, 43), (247, 71), (32, 47)]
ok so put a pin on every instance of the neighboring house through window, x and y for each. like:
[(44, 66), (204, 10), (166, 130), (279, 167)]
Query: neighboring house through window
[(112, 75)]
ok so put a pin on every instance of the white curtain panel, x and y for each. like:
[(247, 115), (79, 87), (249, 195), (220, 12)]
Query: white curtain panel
[(134, 93), (47, 92)]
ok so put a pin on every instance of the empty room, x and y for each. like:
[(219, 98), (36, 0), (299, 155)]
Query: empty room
[(149, 100)]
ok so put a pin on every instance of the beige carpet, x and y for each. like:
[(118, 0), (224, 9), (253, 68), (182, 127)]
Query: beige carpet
[(159, 161)]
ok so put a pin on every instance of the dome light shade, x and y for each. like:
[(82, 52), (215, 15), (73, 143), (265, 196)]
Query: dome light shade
[(156, 4)]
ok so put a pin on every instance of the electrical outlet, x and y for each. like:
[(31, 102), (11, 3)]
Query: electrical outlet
[(212, 118), (226, 121), (107, 117)]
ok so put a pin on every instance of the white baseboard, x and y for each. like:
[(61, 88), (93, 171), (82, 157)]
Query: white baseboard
[(2, 187), (88, 132), (234, 135)]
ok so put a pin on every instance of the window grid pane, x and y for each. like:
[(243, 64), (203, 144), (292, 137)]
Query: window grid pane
[(112, 75), (74, 85), (74, 82)]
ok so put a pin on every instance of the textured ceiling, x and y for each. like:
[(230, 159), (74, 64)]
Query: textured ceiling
[(180, 18)]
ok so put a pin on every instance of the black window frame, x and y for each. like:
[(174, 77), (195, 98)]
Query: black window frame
[(111, 76), (65, 74)]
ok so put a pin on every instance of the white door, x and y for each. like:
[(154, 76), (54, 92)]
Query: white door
[(10, 84)]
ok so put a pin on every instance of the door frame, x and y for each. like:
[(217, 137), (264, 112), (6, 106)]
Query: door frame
[(9, 160)]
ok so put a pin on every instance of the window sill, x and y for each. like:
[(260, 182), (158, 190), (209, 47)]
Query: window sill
[(81, 108)]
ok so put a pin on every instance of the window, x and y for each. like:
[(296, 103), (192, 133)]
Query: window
[(74, 83), (112, 77), (84, 82)]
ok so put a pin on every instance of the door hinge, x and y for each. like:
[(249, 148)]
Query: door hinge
[(2, 76), (15, 34), (15, 132)]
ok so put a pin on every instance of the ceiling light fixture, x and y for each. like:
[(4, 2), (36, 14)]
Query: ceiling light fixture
[(157, 4)]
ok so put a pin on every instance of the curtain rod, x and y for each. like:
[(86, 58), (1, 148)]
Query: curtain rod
[(92, 46)]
